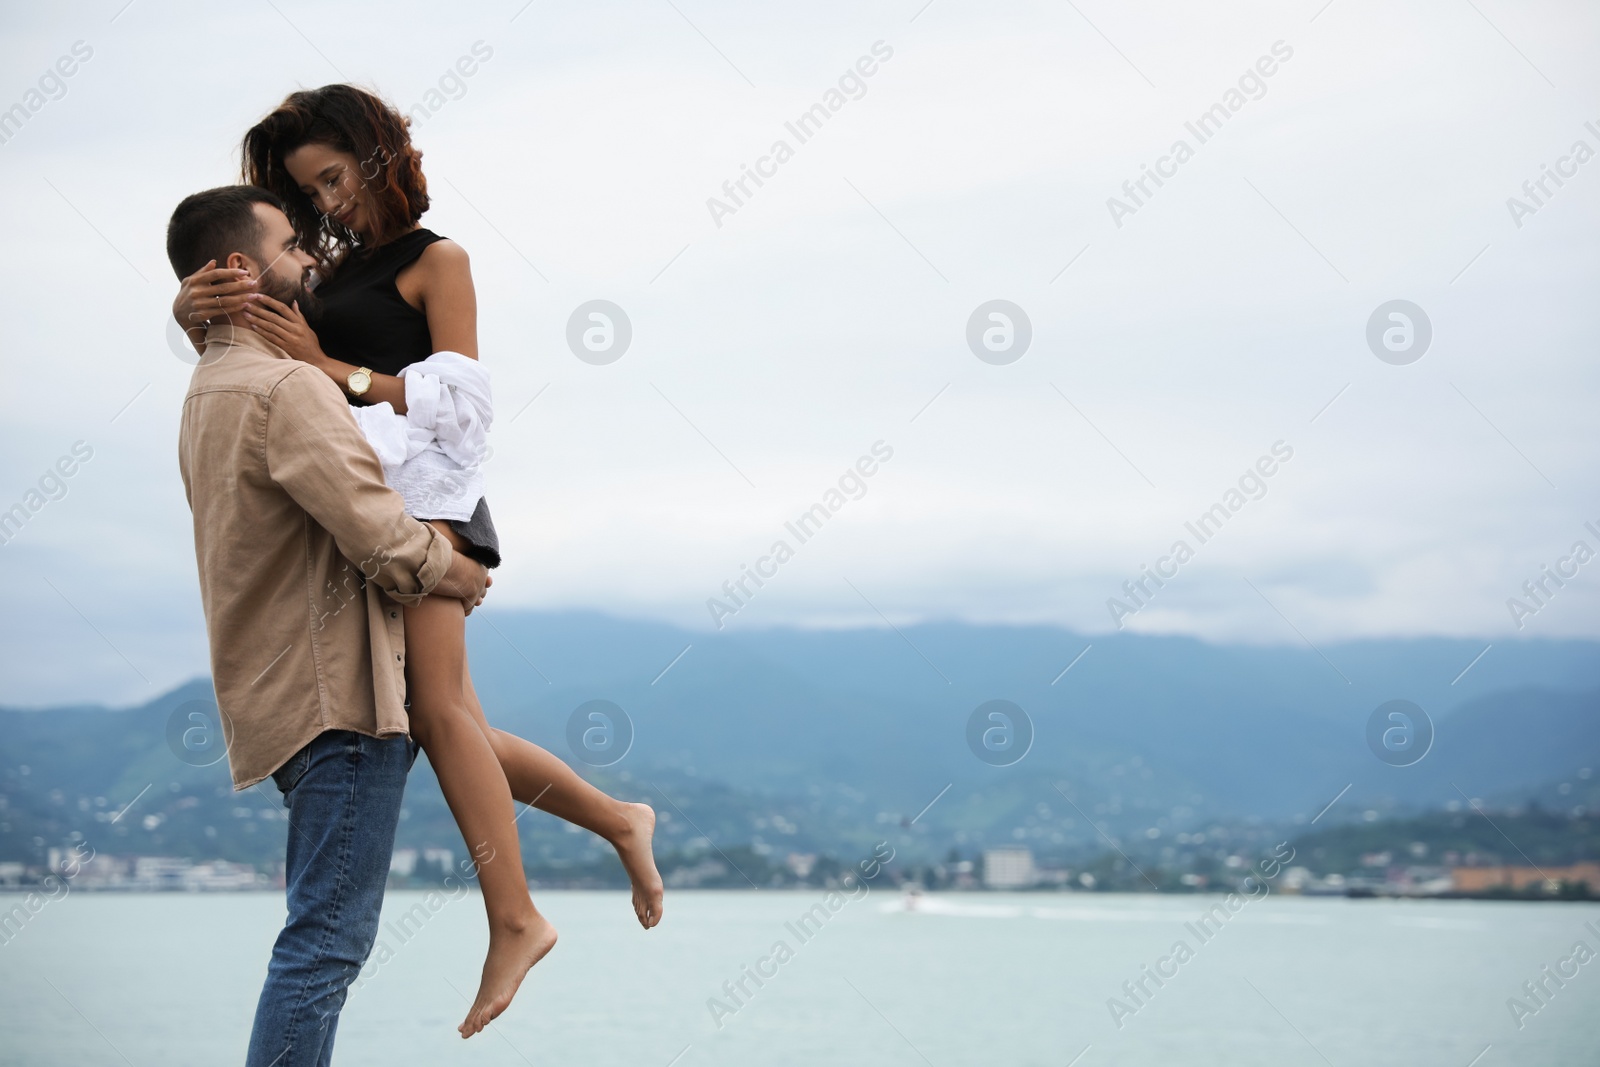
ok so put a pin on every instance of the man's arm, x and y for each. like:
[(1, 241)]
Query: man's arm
[(316, 453)]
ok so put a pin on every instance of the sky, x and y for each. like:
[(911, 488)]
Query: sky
[(1178, 335)]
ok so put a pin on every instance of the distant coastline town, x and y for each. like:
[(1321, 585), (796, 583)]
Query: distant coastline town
[(1002, 869)]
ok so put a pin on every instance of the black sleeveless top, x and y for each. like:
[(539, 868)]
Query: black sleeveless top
[(362, 318)]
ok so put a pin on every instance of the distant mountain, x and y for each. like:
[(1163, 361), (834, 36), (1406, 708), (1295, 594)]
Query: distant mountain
[(1501, 747), (826, 740), (1253, 731)]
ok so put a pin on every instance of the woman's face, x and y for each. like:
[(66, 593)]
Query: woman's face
[(334, 181)]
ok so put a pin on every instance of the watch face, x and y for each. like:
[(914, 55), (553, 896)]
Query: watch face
[(360, 381)]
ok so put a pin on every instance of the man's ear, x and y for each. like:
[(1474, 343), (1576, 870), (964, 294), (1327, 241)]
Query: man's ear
[(240, 261)]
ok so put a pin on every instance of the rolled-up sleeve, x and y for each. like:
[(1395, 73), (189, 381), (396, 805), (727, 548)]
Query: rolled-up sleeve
[(316, 454)]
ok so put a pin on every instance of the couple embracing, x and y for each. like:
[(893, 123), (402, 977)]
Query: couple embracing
[(330, 449)]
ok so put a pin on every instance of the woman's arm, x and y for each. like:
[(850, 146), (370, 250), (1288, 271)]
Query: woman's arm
[(439, 284), (287, 328)]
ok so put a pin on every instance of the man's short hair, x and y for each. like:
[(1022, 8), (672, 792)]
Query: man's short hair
[(214, 224)]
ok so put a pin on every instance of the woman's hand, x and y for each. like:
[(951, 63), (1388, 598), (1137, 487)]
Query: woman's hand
[(211, 292), (285, 327)]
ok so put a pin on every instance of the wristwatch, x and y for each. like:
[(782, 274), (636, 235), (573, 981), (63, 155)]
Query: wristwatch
[(360, 381)]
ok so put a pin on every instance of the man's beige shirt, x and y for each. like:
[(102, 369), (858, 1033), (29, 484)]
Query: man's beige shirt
[(305, 555)]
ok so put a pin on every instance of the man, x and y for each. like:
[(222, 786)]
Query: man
[(305, 557)]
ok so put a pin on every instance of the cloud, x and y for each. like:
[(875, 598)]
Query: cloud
[(1228, 313)]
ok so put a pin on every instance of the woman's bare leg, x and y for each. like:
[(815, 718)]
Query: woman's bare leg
[(443, 723), (542, 779)]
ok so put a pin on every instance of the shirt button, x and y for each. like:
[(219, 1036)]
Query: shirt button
[(397, 657), (394, 614)]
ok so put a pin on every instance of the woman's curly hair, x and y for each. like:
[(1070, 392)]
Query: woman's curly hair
[(350, 120)]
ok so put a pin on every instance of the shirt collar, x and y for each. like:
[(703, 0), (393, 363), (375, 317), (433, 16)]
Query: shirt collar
[(225, 336)]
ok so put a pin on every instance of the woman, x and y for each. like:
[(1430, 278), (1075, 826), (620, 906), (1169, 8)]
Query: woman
[(395, 323)]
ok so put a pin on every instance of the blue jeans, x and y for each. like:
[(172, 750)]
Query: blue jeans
[(343, 793)]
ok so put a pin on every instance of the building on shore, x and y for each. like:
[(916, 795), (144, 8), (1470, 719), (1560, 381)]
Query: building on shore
[(1009, 868), (1516, 879)]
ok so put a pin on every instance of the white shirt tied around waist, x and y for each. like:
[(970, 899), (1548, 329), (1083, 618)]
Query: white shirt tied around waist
[(433, 454)]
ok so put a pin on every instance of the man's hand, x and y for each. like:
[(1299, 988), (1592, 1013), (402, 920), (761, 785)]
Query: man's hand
[(470, 604), (466, 580)]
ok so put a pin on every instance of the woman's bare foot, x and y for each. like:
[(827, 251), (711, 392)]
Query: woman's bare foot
[(512, 953), (633, 847)]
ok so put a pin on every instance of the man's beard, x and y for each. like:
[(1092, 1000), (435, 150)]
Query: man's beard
[(287, 290)]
